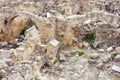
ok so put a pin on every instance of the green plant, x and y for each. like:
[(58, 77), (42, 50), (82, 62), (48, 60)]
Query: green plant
[(80, 53), (55, 61), (5, 21), (23, 31), (90, 38), (112, 55)]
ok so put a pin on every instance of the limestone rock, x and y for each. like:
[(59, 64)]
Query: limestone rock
[(6, 54), (92, 61), (3, 64), (85, 44), (87, 22), (4, 78), (62, 57), (16, 76), (94, 56), (116, 68), (101, 50), (3, 73), (100, 65), (106, 59), (32, 34), (103, 76), (117, 58), (117, 49), (80, 45), (3, 43), (52, 49), (95, 44), (110, 49)]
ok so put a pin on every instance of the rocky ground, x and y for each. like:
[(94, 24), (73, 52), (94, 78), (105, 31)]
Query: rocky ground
[(92, 65)]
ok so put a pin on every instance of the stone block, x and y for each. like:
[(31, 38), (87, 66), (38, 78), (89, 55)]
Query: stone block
[(62, 57), (32, 33), (116, 68), (52, 49)]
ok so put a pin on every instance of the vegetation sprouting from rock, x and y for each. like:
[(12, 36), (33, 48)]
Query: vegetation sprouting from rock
[(90, 38), (80, 53)]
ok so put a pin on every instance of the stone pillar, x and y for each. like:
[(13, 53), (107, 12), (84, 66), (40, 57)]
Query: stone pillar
[(52, 49), (47, 29), (68, 36)]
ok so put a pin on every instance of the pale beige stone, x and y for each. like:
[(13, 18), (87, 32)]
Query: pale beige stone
[(117, 49), (117, 58), (52, 49), (68, 37), (108, 17)]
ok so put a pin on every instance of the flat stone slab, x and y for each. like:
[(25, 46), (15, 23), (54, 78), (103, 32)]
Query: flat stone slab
[(116, 68)]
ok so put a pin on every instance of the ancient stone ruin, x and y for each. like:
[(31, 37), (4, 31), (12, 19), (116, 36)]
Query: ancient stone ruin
[(59, 39)]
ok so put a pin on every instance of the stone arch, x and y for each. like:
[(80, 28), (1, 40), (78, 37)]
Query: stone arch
[(29, 15), (44, 25)]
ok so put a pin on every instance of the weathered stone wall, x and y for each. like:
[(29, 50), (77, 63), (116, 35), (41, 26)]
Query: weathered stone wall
[(50, 27)]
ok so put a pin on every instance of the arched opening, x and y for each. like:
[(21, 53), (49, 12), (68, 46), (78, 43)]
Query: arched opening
[(29, 24)]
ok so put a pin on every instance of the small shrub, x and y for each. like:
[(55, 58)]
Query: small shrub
[(112, 55), (55, 61), (5, 21), (28, 25), (23, 31), (90, 38), (80, 53)]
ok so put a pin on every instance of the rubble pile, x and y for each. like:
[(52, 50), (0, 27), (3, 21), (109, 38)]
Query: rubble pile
[(59, 39)]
